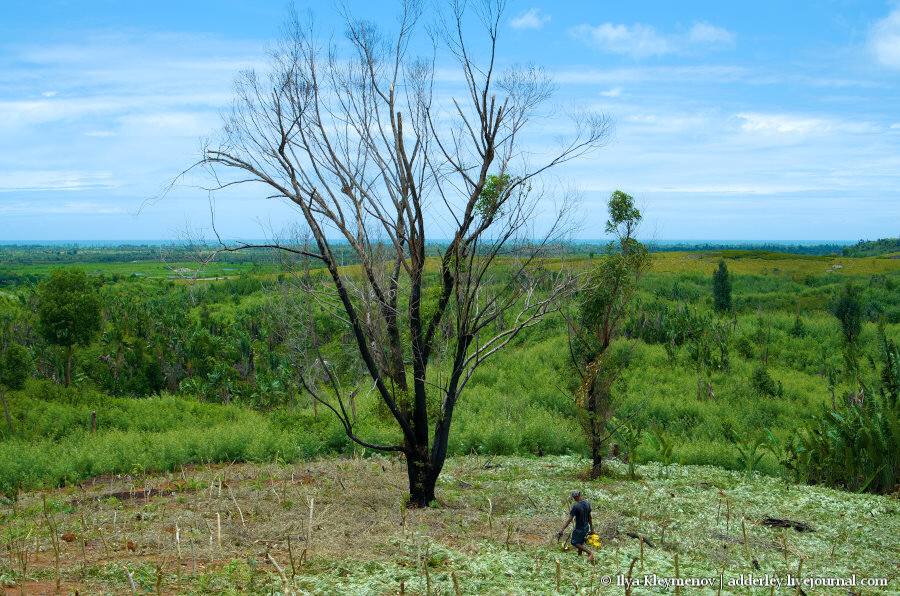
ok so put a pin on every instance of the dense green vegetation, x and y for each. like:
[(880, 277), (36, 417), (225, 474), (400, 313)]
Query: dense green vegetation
[(874, 248), (184, 371)]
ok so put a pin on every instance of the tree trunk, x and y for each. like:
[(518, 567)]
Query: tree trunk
[(6, 412), (596, 456), (597, 415), (69, 366), (422, 480)]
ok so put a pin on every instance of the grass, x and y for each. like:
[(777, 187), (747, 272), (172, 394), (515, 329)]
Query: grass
[(492, 529)]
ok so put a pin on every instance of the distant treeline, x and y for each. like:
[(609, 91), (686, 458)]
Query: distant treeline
[(873, 248), (794, 249), (32, 254)]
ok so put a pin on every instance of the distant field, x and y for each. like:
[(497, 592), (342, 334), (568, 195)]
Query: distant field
[(757, 262), (769, 263)]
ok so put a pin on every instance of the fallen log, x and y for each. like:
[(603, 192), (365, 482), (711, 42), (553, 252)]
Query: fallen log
[(639, 537), (774, 522)]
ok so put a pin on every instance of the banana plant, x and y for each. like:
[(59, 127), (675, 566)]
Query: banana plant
[(663, 446)]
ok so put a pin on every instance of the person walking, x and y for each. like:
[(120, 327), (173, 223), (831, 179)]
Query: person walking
[(584, 524)]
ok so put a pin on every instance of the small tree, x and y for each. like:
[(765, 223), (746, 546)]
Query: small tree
[(68, 311), (848, 311), (15, 366), (604, 300), (721, 288)]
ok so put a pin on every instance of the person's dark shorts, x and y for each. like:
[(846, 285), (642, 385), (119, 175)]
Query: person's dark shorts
[(579, 536)]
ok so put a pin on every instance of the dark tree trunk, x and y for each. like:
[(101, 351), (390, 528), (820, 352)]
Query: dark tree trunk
[(69, 366), (596, 457), (597, 400), (422, 479), (6, 411)]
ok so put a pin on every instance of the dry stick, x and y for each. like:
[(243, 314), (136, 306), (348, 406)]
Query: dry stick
[(746, 544), (799, 569), (427, 573), (159, 579), (727, 516), (193, 558), (83, 542), (287, 586), (105, 545), (22, 556), (558, 574), (178, 550), (291, 557), (628, 577), (311, 502), (130, 580), (642, 552), (54, 540), (491, 520), (218, 531), (677, 576), (456, 590), (241, 513)]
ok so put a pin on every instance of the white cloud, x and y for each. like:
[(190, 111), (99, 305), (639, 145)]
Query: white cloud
[(641, 41), (614, 92), (533, 19), (49, 93), (704, 33), (884, 39), (793, 124), (638, 40), (781, 123), (37, 180), (64, 208), (895, 126)]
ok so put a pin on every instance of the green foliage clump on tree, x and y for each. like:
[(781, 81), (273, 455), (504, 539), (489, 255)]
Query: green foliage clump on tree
[(721, 288), (68, 311)]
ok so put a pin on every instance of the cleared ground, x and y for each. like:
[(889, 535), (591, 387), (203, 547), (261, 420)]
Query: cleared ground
[(225, 529)]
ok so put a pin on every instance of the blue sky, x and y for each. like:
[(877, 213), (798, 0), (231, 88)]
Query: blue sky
[(764, 120)]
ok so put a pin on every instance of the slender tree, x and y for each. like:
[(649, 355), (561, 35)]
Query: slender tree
[(721, 288), (601, 308), (848, 310), (378, 161)]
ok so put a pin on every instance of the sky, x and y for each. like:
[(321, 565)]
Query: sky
[(768, 120)]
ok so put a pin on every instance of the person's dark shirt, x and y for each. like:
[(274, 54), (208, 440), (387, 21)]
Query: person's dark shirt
[(581, 511)]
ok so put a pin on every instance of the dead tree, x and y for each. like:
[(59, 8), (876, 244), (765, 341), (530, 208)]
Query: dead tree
[(380, 160)]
